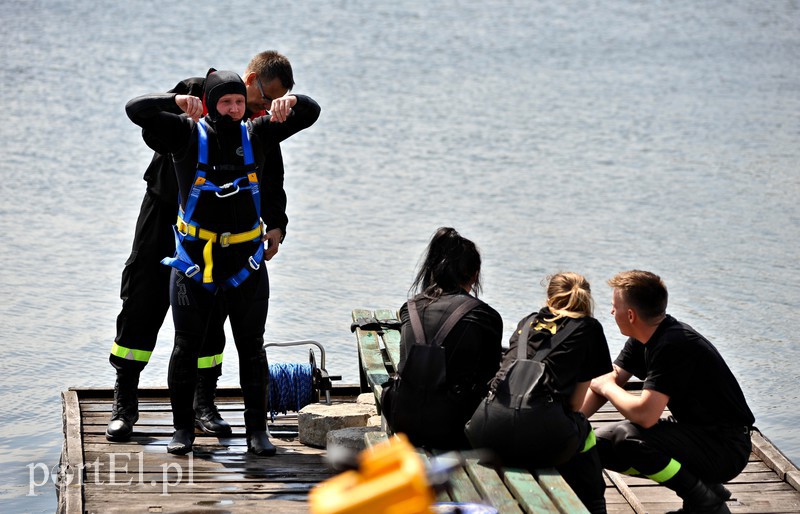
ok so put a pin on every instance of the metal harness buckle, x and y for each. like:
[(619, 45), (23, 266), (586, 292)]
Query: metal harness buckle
[(253, 263), (192, 271), (227, 186), (225, 239)]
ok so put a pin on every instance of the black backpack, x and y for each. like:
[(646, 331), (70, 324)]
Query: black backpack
[(418, 402), (520, 420)]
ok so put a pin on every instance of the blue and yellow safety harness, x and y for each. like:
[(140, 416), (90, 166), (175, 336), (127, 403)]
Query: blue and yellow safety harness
[(188, 230)]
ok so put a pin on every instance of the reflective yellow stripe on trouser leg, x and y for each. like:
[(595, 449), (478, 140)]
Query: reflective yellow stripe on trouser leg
[(668, 472), (209, 362), (590, 442), (130, 353)]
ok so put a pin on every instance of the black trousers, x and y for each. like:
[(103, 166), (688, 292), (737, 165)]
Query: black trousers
[(145, 289), (713, 454), (192, 308)]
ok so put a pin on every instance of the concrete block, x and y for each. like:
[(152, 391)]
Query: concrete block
[(366, 399), (316, 420), (349, 438)]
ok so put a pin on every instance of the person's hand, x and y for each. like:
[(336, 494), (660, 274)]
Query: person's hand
[(281, 108), (272, 240), (191, 105), (600, 384)]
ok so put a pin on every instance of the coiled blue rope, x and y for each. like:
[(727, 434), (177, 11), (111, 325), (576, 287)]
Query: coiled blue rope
[(290, 388)]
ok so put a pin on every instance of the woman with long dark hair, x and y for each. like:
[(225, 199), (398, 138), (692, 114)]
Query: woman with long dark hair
[(450, 347)]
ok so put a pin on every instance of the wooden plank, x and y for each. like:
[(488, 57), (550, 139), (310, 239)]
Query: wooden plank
[(442, 495), (626, 492), (70, 484), (771, 456), (559, 491), (194, 502), (527, 491), (491, 487), (461, 488), (391, 337)]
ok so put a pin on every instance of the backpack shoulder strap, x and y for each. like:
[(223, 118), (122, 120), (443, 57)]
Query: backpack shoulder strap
[(559, 337), (416, 323), (522, 342), (467, 305)]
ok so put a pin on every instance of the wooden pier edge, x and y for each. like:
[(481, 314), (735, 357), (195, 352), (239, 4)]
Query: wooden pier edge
[(775, 459), (70, 484)]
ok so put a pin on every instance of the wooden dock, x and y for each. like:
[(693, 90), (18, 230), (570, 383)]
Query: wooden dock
[(220, 476)]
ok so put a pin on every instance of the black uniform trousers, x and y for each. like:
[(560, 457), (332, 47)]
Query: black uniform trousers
[(714, 454), (192, 305), (145, 290)]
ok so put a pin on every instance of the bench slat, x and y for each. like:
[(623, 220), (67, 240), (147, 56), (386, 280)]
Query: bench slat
[(559, 491), (528, 492), (488, 483), (461, 488)]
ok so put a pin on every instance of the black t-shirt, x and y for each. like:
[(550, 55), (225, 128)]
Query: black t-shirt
[(680, 363), (582, 356)]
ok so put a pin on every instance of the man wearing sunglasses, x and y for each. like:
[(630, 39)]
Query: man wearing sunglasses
[(145, 281)]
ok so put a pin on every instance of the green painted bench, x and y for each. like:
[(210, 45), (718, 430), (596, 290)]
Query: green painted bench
[(509, 490)]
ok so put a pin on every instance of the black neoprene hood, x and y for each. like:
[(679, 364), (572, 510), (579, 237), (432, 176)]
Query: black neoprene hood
[(221, 83)]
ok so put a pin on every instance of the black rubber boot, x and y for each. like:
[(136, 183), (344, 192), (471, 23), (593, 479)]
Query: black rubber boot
[(181, 443), (125, 411), (700, 499), (721, 491), (206, 414), (258, 443)]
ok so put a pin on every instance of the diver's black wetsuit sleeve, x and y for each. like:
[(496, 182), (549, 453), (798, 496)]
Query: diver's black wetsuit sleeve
[(306, 112), (273, 199), (154, 114)]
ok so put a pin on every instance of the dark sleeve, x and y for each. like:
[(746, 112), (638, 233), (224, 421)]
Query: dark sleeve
[(598, 358), (306, 113), (631, 358), (191, 86), (152, 113), (490, 350), (273, 199)]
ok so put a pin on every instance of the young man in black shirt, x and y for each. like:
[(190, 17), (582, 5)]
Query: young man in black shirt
[(706, 441)]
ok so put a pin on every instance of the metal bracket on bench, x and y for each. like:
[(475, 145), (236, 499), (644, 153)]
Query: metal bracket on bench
[(375, 324)]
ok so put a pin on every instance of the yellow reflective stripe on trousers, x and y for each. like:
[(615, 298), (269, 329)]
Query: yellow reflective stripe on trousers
[(665, 474), (590, 442), (130, 354), (209, 362)]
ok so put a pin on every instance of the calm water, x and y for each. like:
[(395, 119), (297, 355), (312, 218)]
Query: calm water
[(582, 135)]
